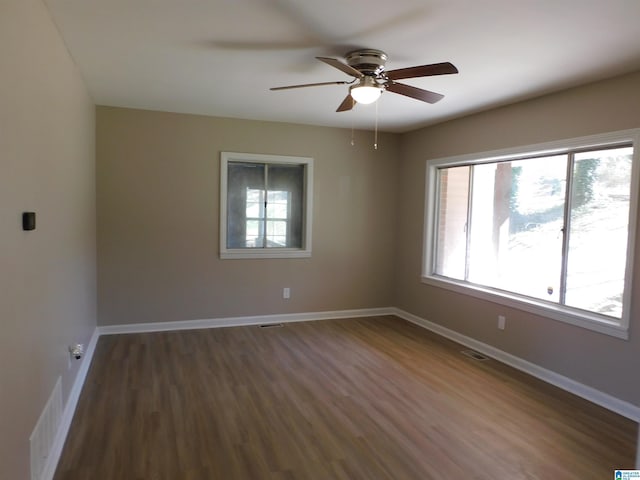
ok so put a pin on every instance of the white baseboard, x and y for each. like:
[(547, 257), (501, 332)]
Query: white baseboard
[(605, 400), (242, 321), (69, 409)]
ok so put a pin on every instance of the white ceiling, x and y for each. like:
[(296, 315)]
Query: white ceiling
[(219, 57)]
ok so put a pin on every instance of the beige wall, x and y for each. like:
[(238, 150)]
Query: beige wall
[(47, 276), (158, 200), (597, 360)]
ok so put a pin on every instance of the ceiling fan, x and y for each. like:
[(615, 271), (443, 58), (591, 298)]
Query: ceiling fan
[(367, 68)]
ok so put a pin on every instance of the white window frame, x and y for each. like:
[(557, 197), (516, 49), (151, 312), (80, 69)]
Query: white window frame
[(271, 252), (562, 313)]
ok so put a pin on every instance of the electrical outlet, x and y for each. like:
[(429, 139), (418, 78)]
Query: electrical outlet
[(501, 322), (286, 293), (76, 351)]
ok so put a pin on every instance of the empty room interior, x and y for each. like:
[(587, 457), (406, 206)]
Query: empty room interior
[(220, 259)]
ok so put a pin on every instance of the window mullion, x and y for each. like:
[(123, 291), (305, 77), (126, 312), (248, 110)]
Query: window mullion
[(566, 229), (468, 224), (266, 195), (433, 259)]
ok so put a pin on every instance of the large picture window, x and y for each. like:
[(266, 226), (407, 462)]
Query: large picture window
[(265, 206), (549, 229)]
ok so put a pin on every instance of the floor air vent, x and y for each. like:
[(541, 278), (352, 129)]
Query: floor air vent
[(271, 325), (474, 355)]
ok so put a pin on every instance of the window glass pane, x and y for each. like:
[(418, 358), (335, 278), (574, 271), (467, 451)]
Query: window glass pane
[(278, 205), (277, 228), (255, 233), (516, 226), (247, 184), (600, 201), (278, 196), (285, 201), (451, 237), (245, 193), (277, 233), (255, 203)]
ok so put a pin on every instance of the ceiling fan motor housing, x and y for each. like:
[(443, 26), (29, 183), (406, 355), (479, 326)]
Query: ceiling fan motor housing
[(368, 61)]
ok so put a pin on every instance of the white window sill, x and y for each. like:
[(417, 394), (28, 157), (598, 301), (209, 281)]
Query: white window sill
[(264, 253), (560, 313)]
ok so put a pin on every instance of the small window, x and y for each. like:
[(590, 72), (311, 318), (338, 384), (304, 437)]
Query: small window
[(549, 230), (265, 205)]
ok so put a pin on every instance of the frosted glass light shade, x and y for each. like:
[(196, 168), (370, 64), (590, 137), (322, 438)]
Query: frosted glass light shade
[(366, 90), (365, 94)]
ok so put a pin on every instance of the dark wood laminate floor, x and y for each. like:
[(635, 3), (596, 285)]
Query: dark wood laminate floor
[(374, 398)]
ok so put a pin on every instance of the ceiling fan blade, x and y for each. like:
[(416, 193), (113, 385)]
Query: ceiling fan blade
[(413, 92), (288, 87), (347, 104), (341, 66), (444, 68)]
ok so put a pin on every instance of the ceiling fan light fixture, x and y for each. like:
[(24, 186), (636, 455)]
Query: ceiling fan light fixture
[(366, 91)]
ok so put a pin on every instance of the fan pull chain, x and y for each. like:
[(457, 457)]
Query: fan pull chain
[(375, 137), (353, 142)]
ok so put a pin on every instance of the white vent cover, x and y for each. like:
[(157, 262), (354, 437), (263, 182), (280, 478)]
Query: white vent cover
[(475, 355), (44, 433)]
